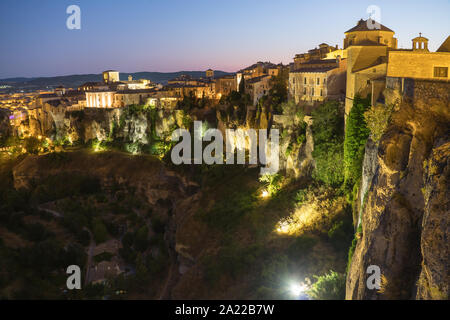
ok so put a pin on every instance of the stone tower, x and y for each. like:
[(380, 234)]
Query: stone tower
[(110, 76), (367, 47), (420, 44), (210, 73)]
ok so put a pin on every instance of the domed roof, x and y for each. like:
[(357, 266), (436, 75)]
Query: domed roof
[(363, 25)]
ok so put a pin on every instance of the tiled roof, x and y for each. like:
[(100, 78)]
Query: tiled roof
[(314, 70)]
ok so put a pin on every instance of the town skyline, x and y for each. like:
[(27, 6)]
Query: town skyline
[(130, 46)]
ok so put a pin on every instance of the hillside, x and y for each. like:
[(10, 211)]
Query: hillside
[(72, 81)]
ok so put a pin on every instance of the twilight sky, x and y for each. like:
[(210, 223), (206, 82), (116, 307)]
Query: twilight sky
[(175, 35)]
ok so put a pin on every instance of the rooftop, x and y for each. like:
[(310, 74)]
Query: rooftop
[(314, 70), (363, 25), (445, 47)]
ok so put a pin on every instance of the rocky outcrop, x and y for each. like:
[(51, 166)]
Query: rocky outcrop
[(405, 216), (146, 175), (434, 279), (369, 167)]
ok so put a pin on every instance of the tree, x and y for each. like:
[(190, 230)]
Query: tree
[(32, 145), (278, 94), (356, 134), (242, 86)]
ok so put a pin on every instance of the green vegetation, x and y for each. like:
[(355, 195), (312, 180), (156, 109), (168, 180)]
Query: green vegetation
[(62, 185), (235, 106), (328, 133), (278, 94), (191, 102), (105, 256), (377, 119), (272, 183), (356, 135), (330, 286)]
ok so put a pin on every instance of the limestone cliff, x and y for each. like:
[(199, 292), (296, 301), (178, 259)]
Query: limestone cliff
[(144, 174), (405, 215)]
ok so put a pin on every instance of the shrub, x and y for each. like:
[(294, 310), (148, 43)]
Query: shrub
[(104, 256), (273, 182), (377, 119), (32, 145), (330, 286), (351, 251)]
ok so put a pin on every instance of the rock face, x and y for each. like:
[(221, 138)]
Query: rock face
[(144, 174), (54, 121), (369, 167), (434, 278), (405, 216)]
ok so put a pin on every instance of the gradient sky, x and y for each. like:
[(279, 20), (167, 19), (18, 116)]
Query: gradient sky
[(174, 35)]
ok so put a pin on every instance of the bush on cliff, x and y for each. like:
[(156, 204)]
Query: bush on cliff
[(330, 286), (377, 119)]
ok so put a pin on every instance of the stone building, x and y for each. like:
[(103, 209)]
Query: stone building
[(111, 76), (225, 85), (418, 64), (210, 74), (324, 51), (117, 99), (367, 45), (258, 87), (258, 70), (113, 93), (317, 80)]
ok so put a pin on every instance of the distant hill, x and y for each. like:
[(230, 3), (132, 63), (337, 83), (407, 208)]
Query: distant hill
[(72, 81)]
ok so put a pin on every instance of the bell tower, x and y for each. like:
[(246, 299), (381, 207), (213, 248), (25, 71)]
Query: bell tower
[(420, 43)]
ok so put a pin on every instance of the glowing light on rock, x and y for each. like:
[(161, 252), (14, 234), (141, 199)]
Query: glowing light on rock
[(296, 289), (283, 227), (265, 194)]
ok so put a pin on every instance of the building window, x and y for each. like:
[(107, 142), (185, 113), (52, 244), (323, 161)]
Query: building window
[(312, 91), (321, 92), (440, 72), (324, 80), (318, 81), (304, 91)]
